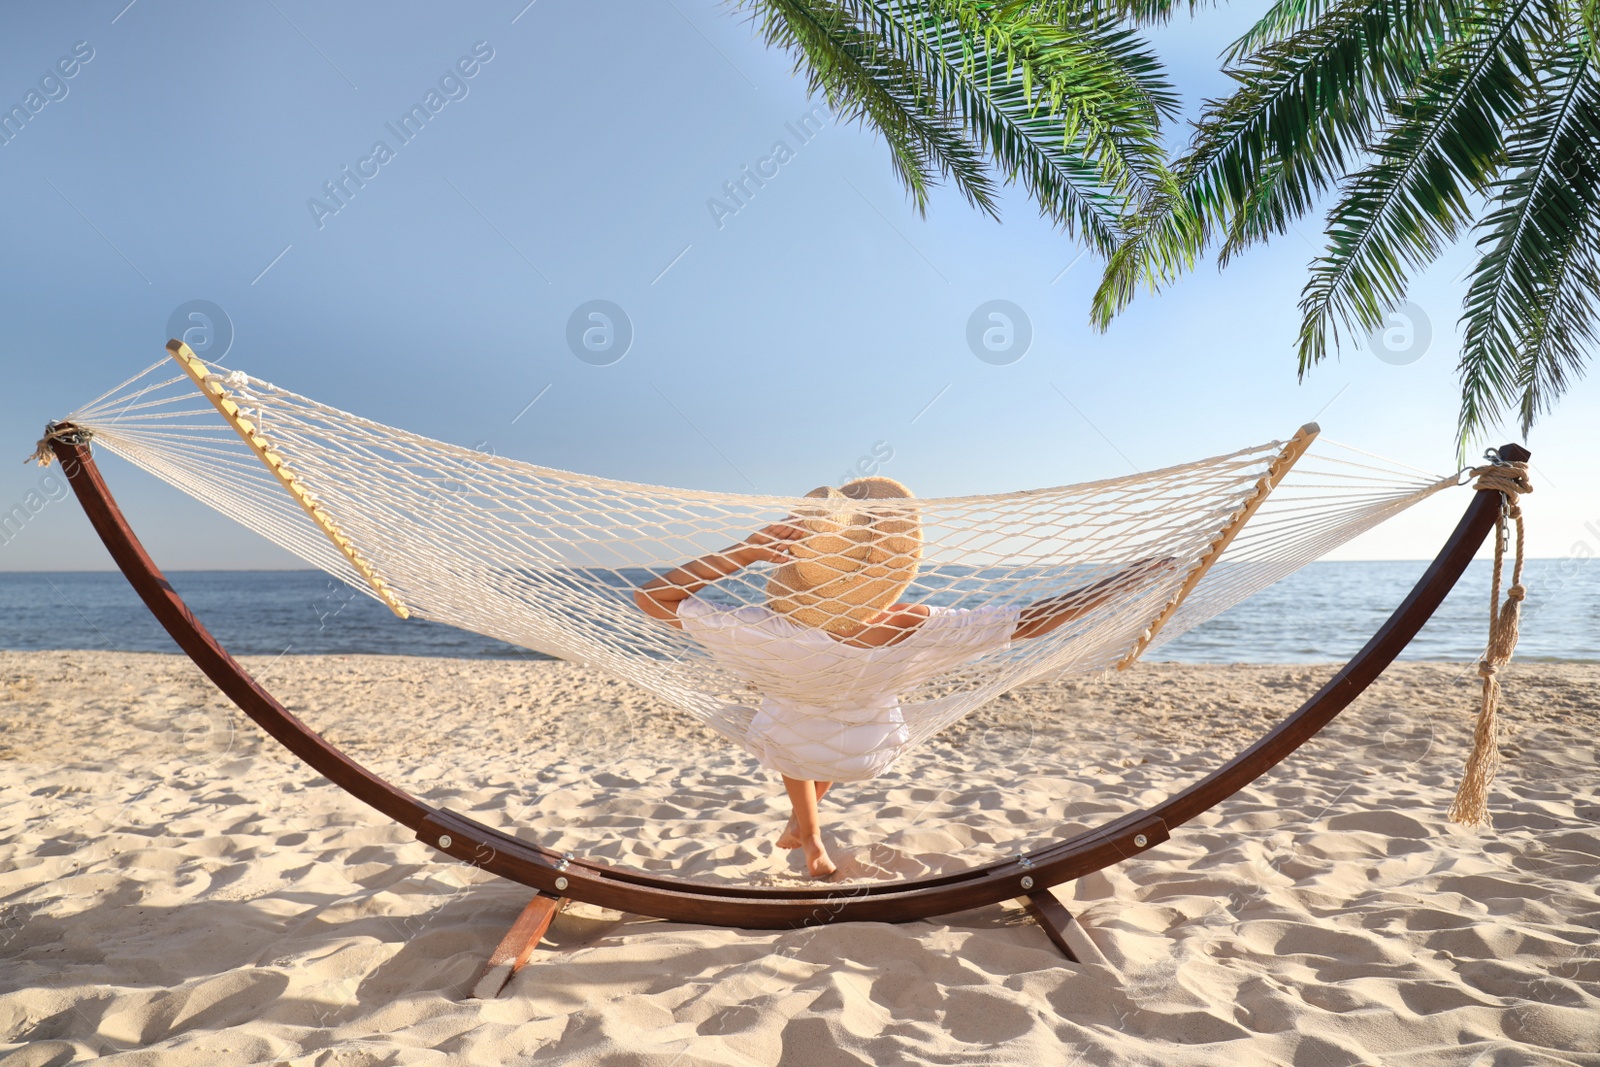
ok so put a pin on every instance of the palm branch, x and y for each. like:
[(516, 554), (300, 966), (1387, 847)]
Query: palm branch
[(1058, 97), (1423, 120), (1529, 302), (1443, 144)]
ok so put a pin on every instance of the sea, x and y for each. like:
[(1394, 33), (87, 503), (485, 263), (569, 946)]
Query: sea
[(1321, 614)]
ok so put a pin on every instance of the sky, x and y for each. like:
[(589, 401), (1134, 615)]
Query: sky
[(579, 152)]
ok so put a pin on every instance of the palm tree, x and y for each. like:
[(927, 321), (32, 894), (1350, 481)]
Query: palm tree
[(1426, 120), (1060, 97)]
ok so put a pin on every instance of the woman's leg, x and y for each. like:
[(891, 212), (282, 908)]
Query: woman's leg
[(790, 838), (803, 795)]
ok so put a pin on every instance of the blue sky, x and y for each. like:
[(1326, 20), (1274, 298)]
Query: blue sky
[(772, 346)]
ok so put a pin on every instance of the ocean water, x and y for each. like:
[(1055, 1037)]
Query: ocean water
[(1321, 614)]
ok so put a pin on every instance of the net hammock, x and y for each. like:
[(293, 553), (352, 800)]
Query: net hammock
[(550, 560)]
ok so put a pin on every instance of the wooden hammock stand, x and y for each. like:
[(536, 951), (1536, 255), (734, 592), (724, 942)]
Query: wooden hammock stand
[(558, 877)]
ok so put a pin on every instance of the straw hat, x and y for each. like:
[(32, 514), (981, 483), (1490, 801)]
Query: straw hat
[(856, 559)]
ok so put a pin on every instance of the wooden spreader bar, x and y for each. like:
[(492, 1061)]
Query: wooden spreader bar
[(1280, 466), (271, 457), (1027, 877)]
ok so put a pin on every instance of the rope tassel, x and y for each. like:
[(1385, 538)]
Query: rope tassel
[(1471, 806)]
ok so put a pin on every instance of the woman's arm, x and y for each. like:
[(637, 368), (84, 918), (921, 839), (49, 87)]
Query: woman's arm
[(1042, 616), (660, 597)]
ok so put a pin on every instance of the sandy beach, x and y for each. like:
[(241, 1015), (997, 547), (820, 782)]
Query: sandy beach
[(176, 889)]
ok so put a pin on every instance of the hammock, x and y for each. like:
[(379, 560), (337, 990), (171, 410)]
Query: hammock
[(549, 560)]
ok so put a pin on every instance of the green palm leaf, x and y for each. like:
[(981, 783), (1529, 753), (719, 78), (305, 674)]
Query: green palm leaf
[(1529, 308), (1068, 107), (865, 82), (1284, 19), (1445, 143), (1420, 118), (1306, 109)]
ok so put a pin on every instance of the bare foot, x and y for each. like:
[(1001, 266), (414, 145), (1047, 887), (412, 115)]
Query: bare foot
[(790, 838), (817, 860)]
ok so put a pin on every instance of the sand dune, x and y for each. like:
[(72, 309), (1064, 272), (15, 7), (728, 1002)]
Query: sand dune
[(175, 889)]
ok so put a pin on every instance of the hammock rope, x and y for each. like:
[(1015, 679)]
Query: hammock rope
[(549, 560), (1510, 480)]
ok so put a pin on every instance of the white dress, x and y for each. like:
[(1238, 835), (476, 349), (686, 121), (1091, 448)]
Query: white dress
[(831, 711)]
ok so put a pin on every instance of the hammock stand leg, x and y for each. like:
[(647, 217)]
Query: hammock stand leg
[(516, 948), (756, 907), (1063, 929)]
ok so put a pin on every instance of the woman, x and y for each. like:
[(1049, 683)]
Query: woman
[(832, 647)]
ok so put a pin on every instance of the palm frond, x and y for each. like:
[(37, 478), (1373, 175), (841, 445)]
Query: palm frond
[(1565, 332), (1146, 12), (1306, 110), (1284, 18), (1529, 311), (1445, 143), (1071, 112), (864, 82)]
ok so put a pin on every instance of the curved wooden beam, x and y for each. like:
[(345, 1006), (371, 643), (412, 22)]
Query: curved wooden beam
[(754, 907), (72, 449)]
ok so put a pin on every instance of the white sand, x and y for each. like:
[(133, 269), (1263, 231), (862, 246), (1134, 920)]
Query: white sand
[(175, 889)]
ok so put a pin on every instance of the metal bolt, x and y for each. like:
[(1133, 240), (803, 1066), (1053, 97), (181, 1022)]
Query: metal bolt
[(1027, 881), (445, 841), (1140, 840), (561, 883)]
